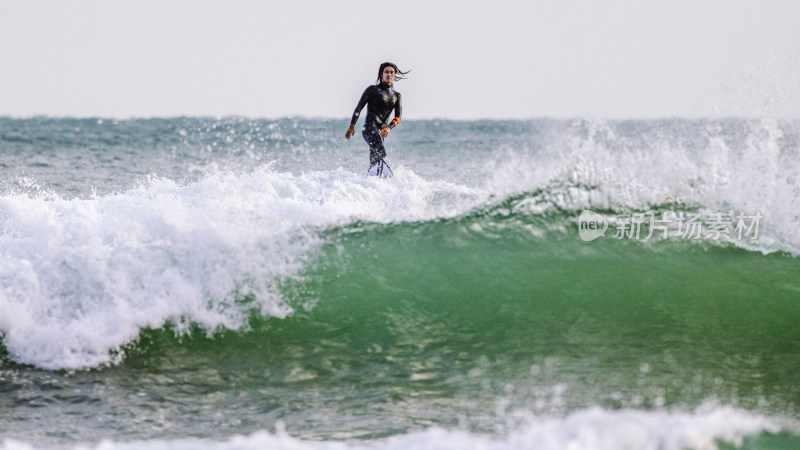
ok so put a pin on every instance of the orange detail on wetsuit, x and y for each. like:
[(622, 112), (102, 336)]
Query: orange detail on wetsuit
[(395, 121)]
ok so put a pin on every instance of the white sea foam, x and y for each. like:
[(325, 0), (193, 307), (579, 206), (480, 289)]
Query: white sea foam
[(80, 277), (598, 168), (591, 429)]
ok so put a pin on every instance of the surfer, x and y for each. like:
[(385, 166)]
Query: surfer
[(381, 99)]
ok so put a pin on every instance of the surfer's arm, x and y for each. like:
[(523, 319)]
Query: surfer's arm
[(363, 101), (351, 130), (398, 111)]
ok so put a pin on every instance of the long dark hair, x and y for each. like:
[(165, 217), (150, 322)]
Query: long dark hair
[(398, 74)]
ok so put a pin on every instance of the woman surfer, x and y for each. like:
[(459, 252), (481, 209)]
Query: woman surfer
[(381, 99)]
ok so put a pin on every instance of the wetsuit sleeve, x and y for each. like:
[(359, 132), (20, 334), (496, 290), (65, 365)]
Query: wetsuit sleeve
[(398, 111), (363, 101)]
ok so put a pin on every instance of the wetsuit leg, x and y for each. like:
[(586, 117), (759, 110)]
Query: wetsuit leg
[(375, 142)]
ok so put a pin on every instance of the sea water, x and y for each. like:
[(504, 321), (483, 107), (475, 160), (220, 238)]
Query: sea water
[(547, 284)]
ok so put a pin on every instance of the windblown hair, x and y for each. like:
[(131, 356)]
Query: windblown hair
[(398, 74)]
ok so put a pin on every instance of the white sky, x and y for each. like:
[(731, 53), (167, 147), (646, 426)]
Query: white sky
[(469, 59)]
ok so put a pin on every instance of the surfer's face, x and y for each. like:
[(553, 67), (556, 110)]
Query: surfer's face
[(388, 75)]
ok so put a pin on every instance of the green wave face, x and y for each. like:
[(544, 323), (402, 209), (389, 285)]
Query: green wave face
[(412, 323)]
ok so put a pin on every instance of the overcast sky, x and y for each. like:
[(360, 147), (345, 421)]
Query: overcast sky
[(469, 59)]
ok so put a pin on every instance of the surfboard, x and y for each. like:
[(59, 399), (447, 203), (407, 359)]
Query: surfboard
[(380, 169)]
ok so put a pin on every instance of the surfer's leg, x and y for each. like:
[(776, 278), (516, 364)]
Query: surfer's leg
[(375, 142)]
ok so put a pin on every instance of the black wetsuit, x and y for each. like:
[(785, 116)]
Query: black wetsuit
[(380, 99)]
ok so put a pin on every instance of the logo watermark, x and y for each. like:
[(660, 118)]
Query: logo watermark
[(591, 225), (671, 224)]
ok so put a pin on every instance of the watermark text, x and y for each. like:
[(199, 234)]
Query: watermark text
[(670, 224)]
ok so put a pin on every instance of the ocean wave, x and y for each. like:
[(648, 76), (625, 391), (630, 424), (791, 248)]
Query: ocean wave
[(80, 277), (743, 167)]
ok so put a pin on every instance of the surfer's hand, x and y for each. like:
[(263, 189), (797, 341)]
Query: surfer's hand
[(385, 132), (350, 131)]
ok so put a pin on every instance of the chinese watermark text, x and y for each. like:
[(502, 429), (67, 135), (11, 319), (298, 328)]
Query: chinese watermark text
[(670, 224)]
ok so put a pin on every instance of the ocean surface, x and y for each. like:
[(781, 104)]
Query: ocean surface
[(540, 284)]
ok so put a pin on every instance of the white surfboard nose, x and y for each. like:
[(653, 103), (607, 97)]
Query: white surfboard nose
[(380, 169)]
